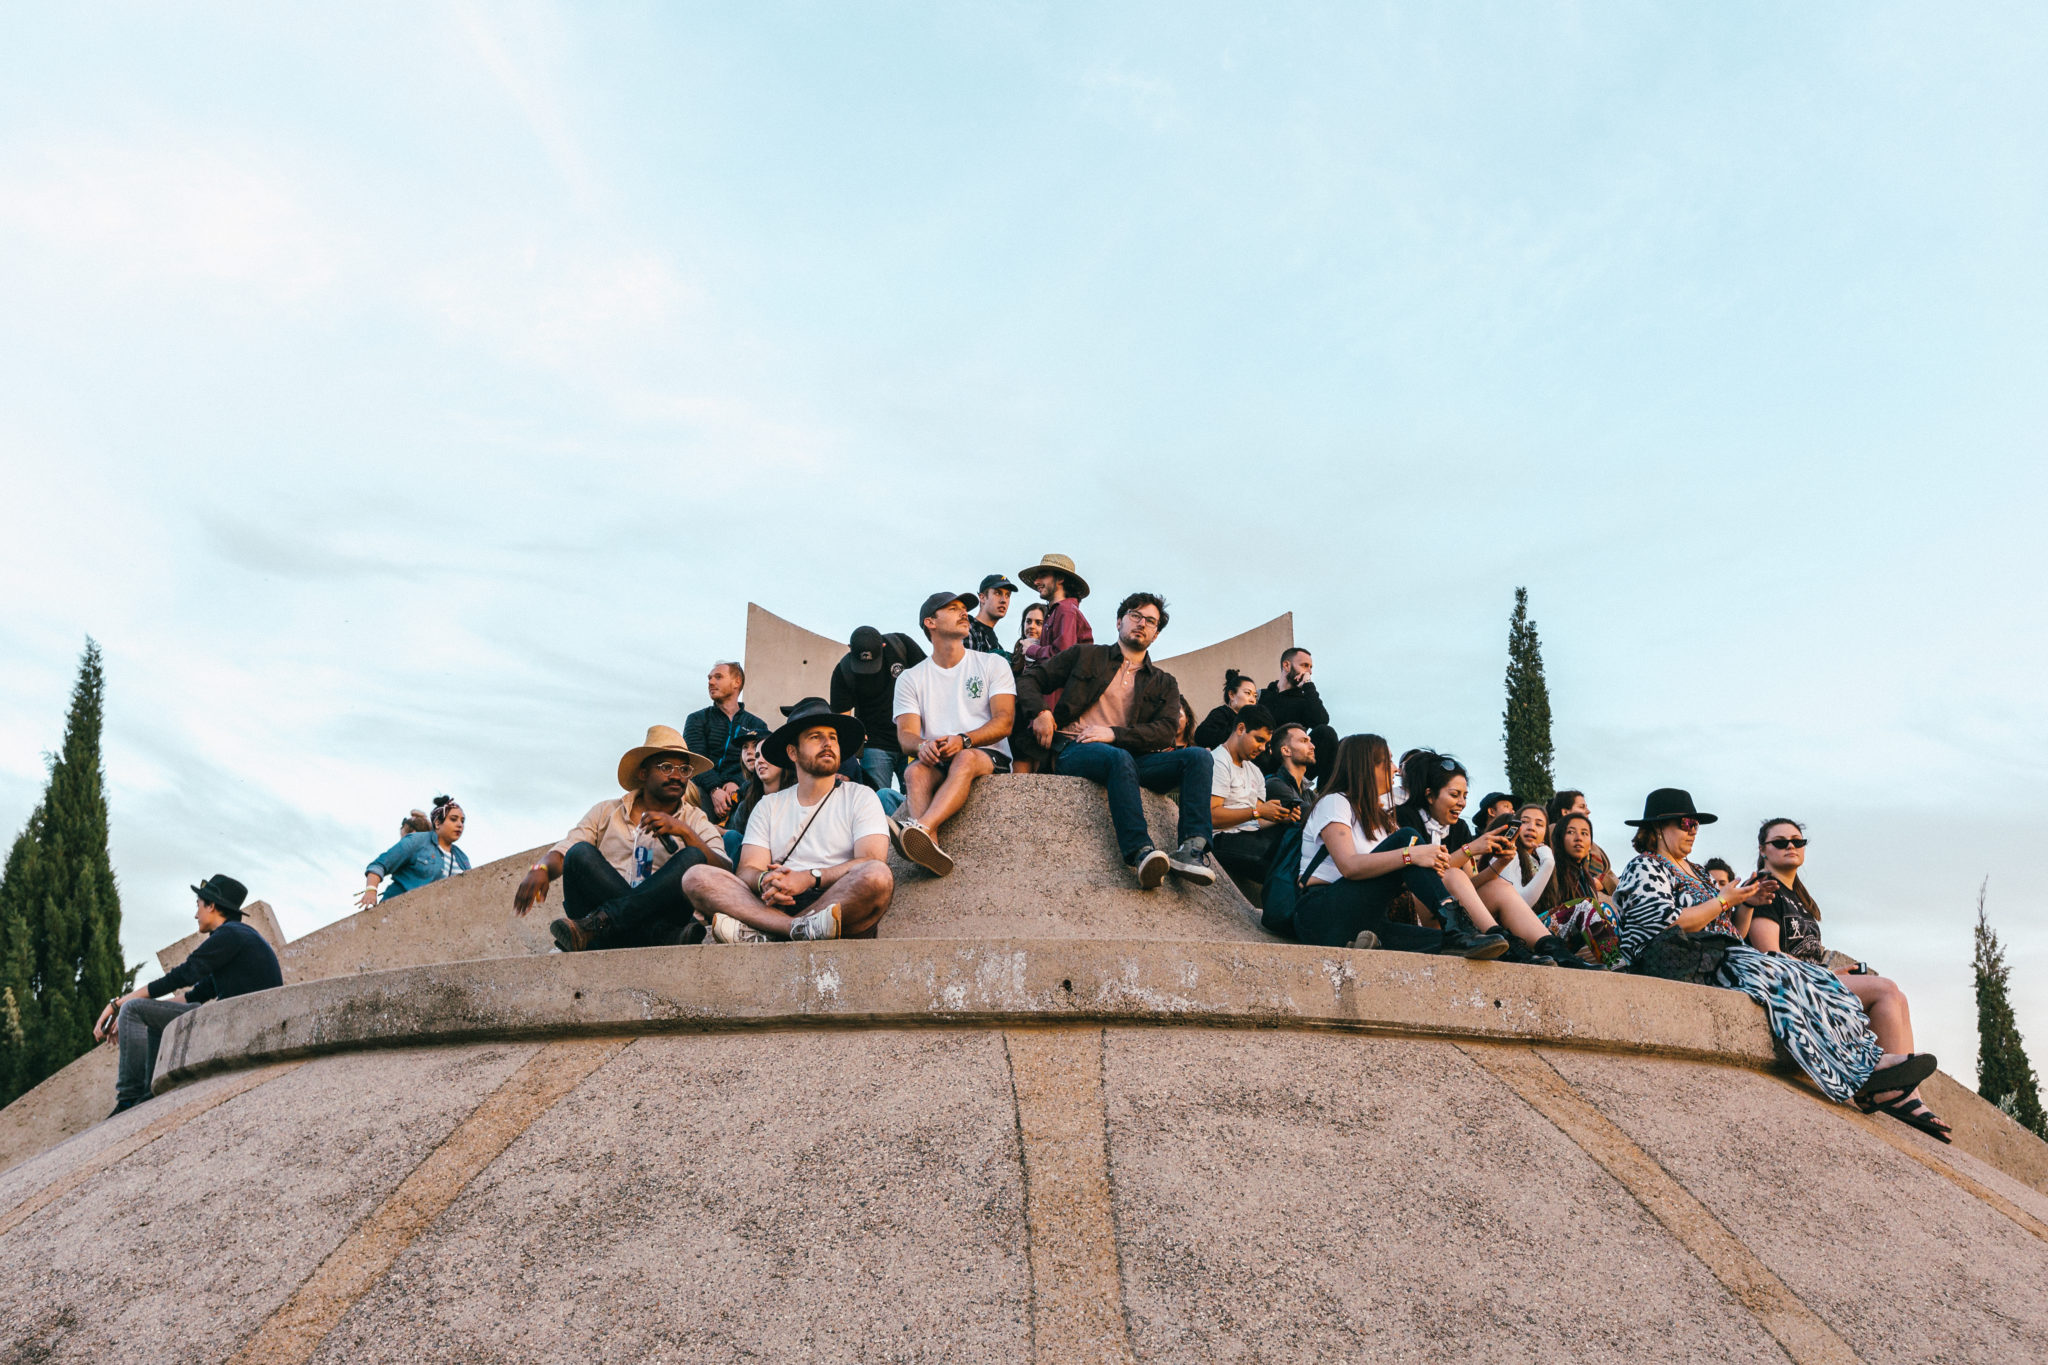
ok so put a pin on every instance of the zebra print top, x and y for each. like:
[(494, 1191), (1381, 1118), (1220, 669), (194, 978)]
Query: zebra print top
[(1653, 891)]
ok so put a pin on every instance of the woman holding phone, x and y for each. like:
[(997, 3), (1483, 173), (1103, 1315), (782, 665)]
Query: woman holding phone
[(1666, 899), (1787, 921)]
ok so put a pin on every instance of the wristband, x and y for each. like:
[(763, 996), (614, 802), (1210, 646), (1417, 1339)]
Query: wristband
[(540, 867)]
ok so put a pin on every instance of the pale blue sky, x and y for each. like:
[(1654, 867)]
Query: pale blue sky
[(411, 397)]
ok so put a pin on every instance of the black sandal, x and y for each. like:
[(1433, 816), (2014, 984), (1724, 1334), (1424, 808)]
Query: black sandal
[(1909, 1110), (1904, 1077)]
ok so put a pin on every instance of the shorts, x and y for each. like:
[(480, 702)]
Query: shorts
[(995, 756)]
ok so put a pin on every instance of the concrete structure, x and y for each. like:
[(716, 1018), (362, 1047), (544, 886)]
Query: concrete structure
[(1046, 1117), (784, 661)]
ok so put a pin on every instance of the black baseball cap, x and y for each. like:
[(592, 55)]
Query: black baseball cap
[(939, 599), (865, 650), (996, 580)]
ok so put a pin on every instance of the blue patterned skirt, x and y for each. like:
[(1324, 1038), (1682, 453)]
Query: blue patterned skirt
[(1818, 1019)]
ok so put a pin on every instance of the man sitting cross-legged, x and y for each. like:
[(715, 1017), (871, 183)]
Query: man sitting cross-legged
[(621, 868), (1246, 820), (814, 862), (1115, 723), (954, 711)]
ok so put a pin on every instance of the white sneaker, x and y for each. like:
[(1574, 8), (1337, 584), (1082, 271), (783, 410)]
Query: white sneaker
[(823, 922), (919, 847), (726, 929)]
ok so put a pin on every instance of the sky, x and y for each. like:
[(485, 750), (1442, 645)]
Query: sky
[(409, 398)]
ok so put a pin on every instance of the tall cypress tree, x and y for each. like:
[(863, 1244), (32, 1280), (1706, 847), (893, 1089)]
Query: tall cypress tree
[(60, 911), (2004, 1075), (1526, 722)]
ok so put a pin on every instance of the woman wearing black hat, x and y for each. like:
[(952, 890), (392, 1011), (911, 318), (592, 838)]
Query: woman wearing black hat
[(1676, 923)]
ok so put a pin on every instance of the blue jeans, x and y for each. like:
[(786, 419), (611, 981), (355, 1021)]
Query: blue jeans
[(883, 767), (1190, 772), (140, 1027)]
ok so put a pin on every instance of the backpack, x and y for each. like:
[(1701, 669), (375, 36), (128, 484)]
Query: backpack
[(1283, 881)]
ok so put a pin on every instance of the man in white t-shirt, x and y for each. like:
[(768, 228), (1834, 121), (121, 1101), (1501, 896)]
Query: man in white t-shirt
[(954, 712), (1246, 823), (814, 862)]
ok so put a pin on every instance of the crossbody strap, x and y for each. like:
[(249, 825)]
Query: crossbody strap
[(808, 823)]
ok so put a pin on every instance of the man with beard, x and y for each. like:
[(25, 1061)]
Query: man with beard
[(622, 867), (1296, 754), (814, 862), (1292, 699), (1115, 724)]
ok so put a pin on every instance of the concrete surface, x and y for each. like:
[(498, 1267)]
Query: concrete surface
[(786, 663), (1200, 672)]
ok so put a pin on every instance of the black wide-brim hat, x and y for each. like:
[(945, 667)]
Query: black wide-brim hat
[(805, 714), (224, 892), (1670, 803)]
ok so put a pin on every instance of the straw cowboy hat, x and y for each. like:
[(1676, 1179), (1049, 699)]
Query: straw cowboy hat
[(660, 740), (1077, 586)]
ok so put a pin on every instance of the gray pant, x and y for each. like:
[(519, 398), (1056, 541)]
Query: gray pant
[(140, 1028)]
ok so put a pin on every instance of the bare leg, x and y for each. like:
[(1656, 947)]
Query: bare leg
[(863, 895), (920, 780), (1459, 884), (1512, 911), (1890, 1019), (961, 772)]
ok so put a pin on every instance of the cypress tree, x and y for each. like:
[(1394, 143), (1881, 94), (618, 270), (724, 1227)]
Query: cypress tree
[(1526, 722), (60, 911), (2004, 1075)]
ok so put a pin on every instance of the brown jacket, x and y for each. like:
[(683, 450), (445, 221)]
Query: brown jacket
[(1082, 674)]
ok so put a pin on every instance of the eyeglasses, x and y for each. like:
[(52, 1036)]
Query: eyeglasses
[(668, 765), (1786, 843), (1151, 622), (1687, 824)]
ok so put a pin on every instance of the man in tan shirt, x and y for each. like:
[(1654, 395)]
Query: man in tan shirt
[(622, 866)]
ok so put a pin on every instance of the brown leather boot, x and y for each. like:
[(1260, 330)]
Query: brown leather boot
[(580, 935)]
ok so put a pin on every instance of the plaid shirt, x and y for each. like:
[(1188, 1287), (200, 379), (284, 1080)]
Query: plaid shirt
[(983, 638)]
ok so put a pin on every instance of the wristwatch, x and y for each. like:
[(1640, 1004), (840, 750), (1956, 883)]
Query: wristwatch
[(817, 880)]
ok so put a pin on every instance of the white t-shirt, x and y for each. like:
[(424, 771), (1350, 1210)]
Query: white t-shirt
[(1334, 810), (1546, 863), (957, 700), (851, 813), (1241, 785)]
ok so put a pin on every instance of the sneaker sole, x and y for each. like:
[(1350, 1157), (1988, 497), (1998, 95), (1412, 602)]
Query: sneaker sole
[(740, 932), (1366, 941), (1151, 872), (838, 927), (564, 940), (1199, 873), (919, 847)]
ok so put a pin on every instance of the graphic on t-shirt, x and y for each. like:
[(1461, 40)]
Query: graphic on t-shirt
[(974, 688)]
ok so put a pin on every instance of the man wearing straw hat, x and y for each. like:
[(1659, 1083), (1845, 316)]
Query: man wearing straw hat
[(622, 866)]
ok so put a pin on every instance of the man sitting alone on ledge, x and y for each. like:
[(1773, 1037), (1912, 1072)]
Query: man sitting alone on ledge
[(622, 866), (814, 862), (232, 960), (954, 711)]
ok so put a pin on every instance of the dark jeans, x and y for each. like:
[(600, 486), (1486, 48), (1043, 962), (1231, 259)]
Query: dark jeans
[(1245, 854), (1331, 914), (883, 768), (1190, 772), (653, 912), (140, 1028)]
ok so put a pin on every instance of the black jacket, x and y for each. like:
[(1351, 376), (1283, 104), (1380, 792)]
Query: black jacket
[(872, 696), (232, 960), (1216, 727), (1300, 705), (1082, 674), (715, 735)]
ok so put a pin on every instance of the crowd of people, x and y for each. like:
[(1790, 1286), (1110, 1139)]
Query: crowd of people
[(736, 832)]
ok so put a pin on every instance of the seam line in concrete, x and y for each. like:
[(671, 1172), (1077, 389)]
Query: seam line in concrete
[(1805, 1337), (1888, 1131), (129, 1146), (1077, 1310), (295, 1331)]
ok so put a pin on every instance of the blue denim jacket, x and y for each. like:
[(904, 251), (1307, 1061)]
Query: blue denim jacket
[(413, 861)]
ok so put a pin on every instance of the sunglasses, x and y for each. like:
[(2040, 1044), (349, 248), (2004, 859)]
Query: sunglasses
[(1687, 824), (1786, 843)]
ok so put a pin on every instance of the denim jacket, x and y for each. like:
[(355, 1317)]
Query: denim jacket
[(414, 861)]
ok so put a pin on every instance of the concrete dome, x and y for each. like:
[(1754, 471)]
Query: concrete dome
[(1140, 1131)]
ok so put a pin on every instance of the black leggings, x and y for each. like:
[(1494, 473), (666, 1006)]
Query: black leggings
[(1332, 914)]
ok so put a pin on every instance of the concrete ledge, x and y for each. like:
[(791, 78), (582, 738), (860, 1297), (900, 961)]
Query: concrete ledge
[(952, 982)]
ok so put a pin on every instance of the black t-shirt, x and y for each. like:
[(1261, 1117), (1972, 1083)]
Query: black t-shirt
[(1798, 930), (872, 696)]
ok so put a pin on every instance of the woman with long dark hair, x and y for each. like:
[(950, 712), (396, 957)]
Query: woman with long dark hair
[(1356, 861), (1437, 788), (420, 857), (1673, 921), (1787, 921), (1575, 903), (1025, 753), (1239, 692)]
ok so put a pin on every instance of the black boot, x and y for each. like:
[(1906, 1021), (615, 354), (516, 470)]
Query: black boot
[(1553, 947), (1478, 947)]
